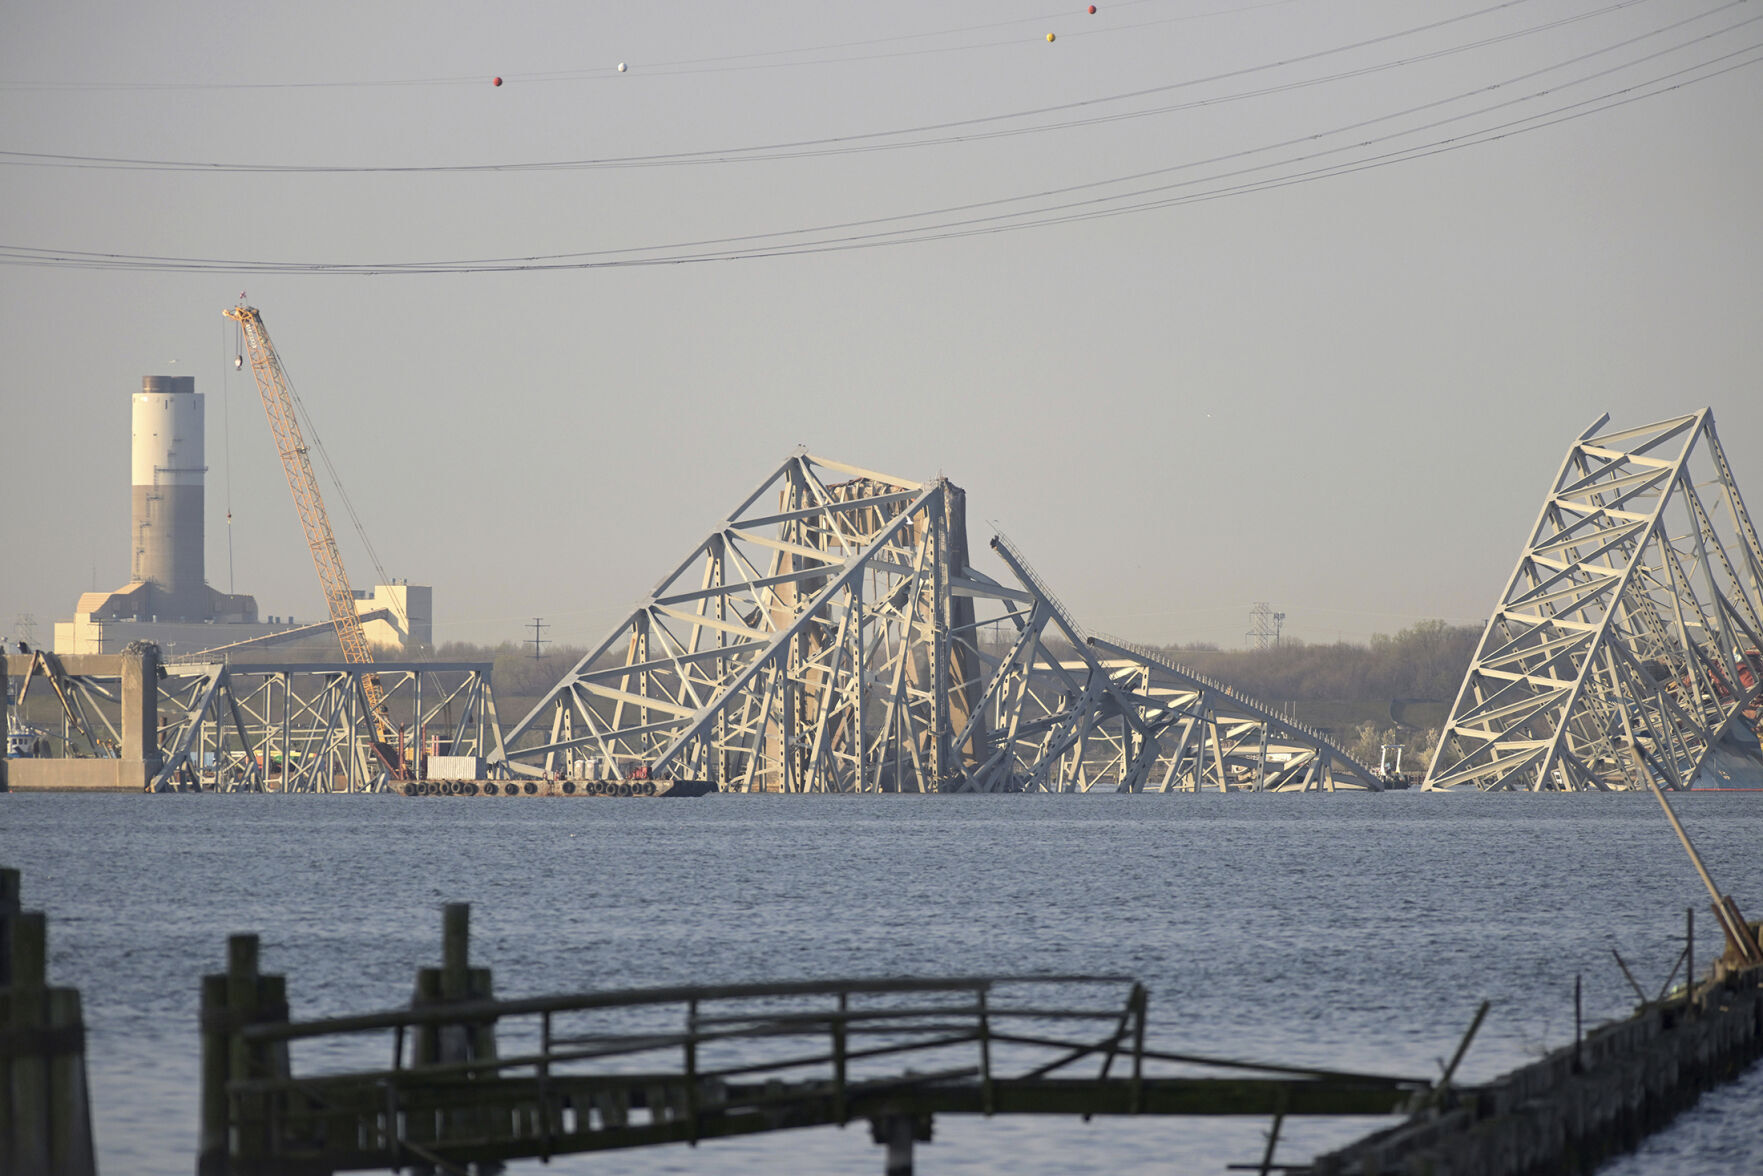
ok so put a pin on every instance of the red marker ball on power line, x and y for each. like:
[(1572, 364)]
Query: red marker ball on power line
[(1092, 10), (495, 81)]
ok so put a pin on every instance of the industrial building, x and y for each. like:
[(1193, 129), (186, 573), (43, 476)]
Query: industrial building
[(168, 600)]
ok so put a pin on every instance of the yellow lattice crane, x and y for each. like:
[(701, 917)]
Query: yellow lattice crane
[(278, 404)]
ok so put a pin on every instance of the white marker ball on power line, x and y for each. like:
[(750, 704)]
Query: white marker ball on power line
[(621, 67)]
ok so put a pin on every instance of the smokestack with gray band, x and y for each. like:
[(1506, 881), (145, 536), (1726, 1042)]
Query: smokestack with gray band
[(167, 469)]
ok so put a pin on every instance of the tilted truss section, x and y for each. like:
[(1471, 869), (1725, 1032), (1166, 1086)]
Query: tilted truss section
[(1067, 711), (1626, 644), (310, 727), (90, 728), (803, 646), (830, 636)]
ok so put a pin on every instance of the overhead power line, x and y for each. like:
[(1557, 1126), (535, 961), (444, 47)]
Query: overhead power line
[(835, 53), (925, 135), (1048, 207)]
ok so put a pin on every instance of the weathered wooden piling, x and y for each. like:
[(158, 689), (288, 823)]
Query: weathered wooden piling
[(9, 906), (454, 982), (45, 1113), (898, 1133), (230, 1001)]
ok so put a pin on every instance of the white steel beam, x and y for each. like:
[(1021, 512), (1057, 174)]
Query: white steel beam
[(1625, 645)]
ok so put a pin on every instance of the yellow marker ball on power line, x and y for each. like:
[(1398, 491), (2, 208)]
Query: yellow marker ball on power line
[(1049, 38)]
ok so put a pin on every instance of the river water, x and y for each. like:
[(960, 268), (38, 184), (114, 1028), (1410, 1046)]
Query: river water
[(1350, 931)]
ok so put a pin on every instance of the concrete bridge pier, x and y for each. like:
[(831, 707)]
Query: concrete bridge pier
[(140, 706), (137, 759)]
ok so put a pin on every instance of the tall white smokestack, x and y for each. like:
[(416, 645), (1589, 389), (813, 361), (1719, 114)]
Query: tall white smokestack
[(167, 470)]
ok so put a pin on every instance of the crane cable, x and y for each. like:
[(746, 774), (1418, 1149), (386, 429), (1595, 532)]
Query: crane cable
[(315, 444), (226, 417)]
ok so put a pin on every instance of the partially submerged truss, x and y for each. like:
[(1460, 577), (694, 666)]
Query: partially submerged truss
[(1064, 710), (309, 727), (805, 645), (830, 636), (281, 726), (90, 728), (1626, 644)]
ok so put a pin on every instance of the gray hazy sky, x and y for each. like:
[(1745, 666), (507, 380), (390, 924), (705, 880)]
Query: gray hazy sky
[(1343, 394)]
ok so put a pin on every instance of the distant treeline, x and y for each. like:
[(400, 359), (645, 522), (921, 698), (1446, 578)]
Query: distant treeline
[(1426, 660), (517, 673)]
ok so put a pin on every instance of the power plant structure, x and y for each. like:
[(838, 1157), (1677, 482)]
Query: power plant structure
[(167, 599), (166, 491)]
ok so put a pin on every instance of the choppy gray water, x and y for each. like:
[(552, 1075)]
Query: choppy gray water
[(1348, 930)]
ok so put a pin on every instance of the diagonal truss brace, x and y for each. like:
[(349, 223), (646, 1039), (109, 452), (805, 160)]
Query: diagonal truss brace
[(1626, 644), (829, 635)]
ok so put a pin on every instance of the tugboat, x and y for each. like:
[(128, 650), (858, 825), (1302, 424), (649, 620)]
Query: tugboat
[(1389, 773), (22, 740)]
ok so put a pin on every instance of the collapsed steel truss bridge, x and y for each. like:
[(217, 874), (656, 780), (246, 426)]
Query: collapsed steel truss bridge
[(830, 635), (311, 727), (1624, 651), (291, 726)]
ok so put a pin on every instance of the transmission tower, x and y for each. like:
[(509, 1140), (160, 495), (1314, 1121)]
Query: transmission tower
[(1264, 626), (539, 626)]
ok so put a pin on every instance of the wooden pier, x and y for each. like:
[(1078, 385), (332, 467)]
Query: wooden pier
[(470, 1081), (1585, 1102)]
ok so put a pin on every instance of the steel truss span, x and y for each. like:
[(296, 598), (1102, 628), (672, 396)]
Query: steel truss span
[(1625, 648), (830, 636), (1064, 710), (311, 727)]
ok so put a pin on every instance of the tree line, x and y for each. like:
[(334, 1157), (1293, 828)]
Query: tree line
[(1424, 661)]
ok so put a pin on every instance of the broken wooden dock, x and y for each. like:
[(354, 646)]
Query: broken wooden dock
[(1584, 1102), (470, 1081)]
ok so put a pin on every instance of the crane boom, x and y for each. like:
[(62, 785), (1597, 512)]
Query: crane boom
[(278, 404)]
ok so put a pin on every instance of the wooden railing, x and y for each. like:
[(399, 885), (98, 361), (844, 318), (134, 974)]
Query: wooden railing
[(469, 1079)]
